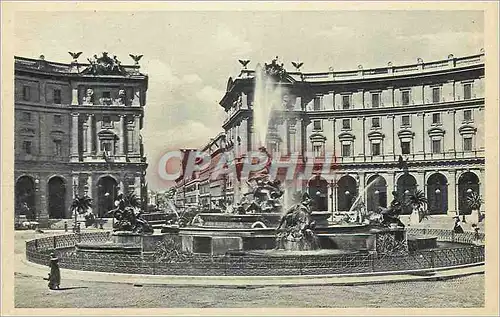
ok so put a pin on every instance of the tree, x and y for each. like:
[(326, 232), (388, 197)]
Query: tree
[(80, 205), (474, 202), (417, 201)]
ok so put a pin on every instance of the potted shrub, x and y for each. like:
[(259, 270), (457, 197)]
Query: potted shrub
[(474, 202), (417, 201)]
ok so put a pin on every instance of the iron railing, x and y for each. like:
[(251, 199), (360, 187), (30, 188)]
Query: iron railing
[(38, 251)]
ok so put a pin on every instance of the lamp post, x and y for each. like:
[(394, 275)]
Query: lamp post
[(333, 185), (75, 187)]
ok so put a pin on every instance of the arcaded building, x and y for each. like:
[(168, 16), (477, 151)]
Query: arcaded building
[(77, 130), (417, 126)]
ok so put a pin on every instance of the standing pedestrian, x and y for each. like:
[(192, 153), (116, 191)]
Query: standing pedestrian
[(457, 227), (55, 274), (65, 226)]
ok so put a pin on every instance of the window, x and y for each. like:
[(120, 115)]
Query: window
[(106, 122), (375, 122), (467, 91), (467, 115), (405, 147), (375, 149), (405, 121), (346, 150), (405, 97), (435, 94), (346, 102), (436, 118), (106, 94), (468, 144), (57, 148), (26, 93), (26, 116), (317, 104), (57, 96), (57, 119), (375, 100), (317, 124), (436, 146), (346, 124), (107, 146), (27, 147), (318, 150)]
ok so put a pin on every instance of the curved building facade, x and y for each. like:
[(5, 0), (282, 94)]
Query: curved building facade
[(418, 126), (77, 130)]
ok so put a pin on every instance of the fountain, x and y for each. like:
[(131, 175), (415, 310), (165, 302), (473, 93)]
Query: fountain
[(129, 229)]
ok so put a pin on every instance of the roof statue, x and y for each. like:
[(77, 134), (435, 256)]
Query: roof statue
[(275, 70), (104, 65)]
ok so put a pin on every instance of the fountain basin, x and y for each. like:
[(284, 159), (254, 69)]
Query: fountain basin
[(270, 220), (420, 242), (123, 242)]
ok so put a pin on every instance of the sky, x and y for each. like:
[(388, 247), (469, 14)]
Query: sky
[(190, 55)]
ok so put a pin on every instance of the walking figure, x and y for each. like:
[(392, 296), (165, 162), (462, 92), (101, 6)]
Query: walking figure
[(457, 228), (65, 226), (55, 274)]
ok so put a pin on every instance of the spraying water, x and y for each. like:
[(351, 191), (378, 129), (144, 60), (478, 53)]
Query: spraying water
[(172, 207), (362, 194), (267, 96)]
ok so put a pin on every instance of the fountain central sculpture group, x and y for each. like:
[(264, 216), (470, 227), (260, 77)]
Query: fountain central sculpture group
[(296, 228)]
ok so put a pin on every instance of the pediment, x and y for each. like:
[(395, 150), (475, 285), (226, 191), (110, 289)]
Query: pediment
[(406, 134), (436, 131), (346, 136), (467, 129), (317, 137), (375, 135), (27, 131)]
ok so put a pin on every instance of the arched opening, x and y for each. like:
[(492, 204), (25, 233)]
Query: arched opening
[(318, 191), (468, 183), (107, 190), (25, 197), (437, 194), (57, 195), (376, 193), (346, 192), (405, 185)]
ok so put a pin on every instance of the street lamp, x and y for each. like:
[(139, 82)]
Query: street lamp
[(75, 187)]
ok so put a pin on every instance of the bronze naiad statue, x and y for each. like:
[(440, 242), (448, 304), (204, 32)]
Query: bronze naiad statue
[(129, 216), (391, 215), (296, 228)]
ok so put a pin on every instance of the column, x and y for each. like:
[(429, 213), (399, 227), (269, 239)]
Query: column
[(74, 137), (330, 197), (391, 96), (391, 176), (137, 94), (88, 185), (75, 180), (285, 143), (123, 137), (137, 130), (362, 186), (137, 186), (298, 137), (452, 192), (420, 178), (89, 134), (74, 95), (482, 179), (244, 101)]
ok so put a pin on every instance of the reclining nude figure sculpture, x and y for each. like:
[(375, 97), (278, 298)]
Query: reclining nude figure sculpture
[(296, 228)]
